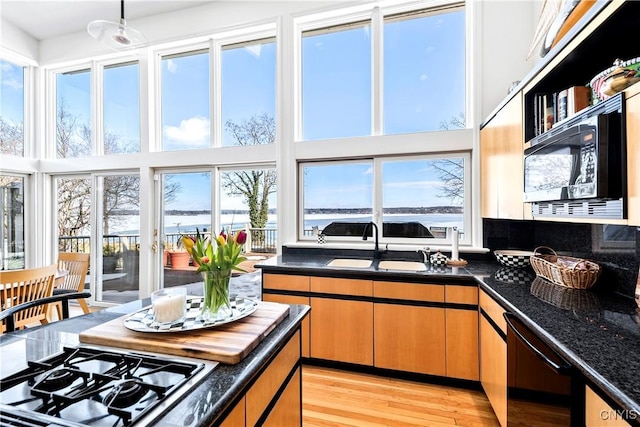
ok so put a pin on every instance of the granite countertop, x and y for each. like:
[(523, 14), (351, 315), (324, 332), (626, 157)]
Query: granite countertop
[(597, 331), (199, 407)]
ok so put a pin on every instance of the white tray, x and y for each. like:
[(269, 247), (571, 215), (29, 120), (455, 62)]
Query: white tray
[(142, 320)]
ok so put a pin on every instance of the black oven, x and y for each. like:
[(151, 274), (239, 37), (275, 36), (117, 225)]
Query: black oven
[(581, 159), (542, 387)]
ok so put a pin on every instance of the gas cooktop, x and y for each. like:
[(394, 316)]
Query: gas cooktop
[(87, 386)]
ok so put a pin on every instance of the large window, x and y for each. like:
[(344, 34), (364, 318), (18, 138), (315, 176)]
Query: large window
[(121, 109), (424, 72), (73, 114), (336, 82), (11, 108), (185, 101), (12, 226), (248, 90), (407, 75), (411, 199)]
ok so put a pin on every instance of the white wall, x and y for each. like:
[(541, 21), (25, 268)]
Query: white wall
[(14, 40), (188, 23), (507, 31)]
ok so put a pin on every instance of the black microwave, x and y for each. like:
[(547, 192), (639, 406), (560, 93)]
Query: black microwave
[(582, 159)]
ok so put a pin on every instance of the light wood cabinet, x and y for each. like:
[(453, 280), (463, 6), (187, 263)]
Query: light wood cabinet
[(285, 282), (410, 338), (462, 333), (633, 154), (262, 392), (342, 330), (236, 417), (284, 413), (493, 356), (501, 163), (263, 403), (599, 413)]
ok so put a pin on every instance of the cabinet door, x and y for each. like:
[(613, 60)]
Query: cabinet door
[(342, 330), (462, 344), (501, 163), (292, 299), (236, 417), (633, 158), (598, 413), (493, 356), (287, 411), (410, 338)]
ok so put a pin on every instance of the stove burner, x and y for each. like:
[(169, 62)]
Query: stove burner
[(125, 394), (57, 379), (84, 386)]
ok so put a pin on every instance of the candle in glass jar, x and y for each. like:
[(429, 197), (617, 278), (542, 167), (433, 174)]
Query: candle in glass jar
[(169, 305)]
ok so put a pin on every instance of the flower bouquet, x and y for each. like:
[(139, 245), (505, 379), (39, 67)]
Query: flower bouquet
[(216, 265)]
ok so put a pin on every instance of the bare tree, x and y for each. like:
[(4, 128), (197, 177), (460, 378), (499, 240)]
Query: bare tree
[(451, 171), (11, 138), (254, 186)]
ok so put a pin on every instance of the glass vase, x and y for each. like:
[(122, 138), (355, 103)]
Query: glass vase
[(216, 305)]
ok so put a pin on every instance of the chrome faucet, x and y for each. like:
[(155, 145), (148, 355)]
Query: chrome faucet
[(376, 250), (426, 253)]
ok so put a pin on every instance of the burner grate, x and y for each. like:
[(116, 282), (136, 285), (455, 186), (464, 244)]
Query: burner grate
[(93, 387)]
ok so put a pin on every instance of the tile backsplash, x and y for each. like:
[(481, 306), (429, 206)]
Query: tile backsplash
[(616, 248)]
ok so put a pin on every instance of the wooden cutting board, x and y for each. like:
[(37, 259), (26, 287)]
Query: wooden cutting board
[(229, 343)]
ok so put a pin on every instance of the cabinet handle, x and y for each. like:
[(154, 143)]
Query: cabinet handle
[(563, 368)]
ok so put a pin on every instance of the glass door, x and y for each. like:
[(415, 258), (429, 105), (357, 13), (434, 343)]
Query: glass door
[(186, 205)]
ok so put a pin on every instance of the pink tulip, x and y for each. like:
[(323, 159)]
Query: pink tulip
[(241, 237)]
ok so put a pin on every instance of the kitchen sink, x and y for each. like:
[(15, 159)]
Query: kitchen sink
[(350, 263), (402, 265)]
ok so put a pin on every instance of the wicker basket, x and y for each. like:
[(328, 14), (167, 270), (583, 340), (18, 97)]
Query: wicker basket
[(566, 271), (563, 297)]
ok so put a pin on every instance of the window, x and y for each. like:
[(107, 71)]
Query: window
[(424, 71), (11, 108), (336, 82), (248, 90), (73, 114), (121, 112), (335, 192), (419, 85), (418, 197), (12, 227), (422, 194), (185, 101), (248, 201)]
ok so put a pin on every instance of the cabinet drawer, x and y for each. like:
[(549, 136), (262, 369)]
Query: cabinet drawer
[(329, 285), (408, 291), (461, 294), (494, 310), (285, 282)]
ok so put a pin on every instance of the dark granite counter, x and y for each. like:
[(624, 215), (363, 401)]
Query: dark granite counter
[(596, 330), (200, 406)]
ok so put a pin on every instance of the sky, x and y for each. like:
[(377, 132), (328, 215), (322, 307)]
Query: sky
[(423, 86)]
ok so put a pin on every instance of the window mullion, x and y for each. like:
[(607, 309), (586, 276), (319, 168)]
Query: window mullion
[(215, 98), (377, 193), (97, 108), (376, 72)]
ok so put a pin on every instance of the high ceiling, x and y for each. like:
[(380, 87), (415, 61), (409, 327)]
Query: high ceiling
[(44, 19)]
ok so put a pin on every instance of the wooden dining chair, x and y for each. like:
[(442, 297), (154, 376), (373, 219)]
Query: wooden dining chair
[(22, 286), (76, 265)]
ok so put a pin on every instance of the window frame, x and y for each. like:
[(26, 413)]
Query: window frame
[(377, 199), (29, 89)]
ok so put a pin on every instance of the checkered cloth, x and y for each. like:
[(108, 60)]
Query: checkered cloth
[(142, 320), (513, 276)]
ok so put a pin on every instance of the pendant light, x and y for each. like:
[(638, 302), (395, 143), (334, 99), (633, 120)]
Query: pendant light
[(116, 35)]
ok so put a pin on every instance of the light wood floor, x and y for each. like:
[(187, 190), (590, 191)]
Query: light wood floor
[(338, 398)]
